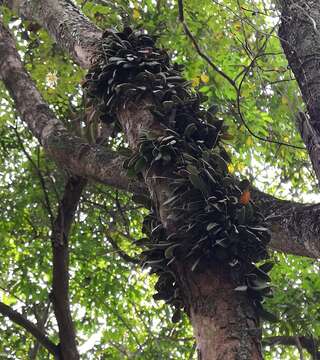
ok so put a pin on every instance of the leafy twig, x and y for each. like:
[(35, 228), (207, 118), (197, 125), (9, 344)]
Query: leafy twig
[(39, 174), (197, 47), (228, 78)]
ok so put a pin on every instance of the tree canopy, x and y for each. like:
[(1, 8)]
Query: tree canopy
[(231, 54)]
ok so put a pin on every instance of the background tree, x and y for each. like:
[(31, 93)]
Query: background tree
[(244, 73)]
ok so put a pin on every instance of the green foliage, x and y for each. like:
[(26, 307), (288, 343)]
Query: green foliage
[(110, 297)]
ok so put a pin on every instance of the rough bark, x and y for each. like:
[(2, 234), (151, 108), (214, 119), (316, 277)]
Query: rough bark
[(60, 268), (70, 152), (300, 38), (65, 23), (295, 227), (224, 323)]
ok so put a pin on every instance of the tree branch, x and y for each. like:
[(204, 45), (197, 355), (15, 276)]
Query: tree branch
[(60, 282), (197, 47), (295, 227), (299, 347), (68, 151), (65, 23), (231, 81), (308, 343), (41, 322), (19, 319), (300, 40)]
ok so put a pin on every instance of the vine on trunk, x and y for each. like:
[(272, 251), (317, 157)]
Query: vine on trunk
[(212, 221)]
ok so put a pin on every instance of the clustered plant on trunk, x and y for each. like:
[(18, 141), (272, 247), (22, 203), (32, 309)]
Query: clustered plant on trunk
[(208, 222)]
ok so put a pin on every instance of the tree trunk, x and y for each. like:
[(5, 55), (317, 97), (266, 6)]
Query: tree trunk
[(225, 325)]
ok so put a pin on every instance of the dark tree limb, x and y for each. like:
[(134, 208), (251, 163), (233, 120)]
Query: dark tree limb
[(19, 319), (308, 343), (41, 322), (311, 137), (299, 347), (60, 282), (300, 39)]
